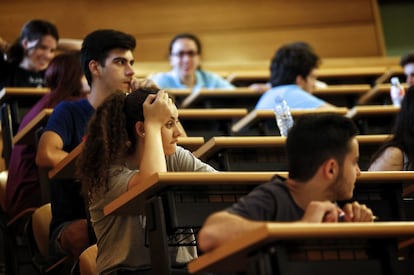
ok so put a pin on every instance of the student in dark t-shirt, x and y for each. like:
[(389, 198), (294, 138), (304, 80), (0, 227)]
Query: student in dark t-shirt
[(323, 167), (107, 60)]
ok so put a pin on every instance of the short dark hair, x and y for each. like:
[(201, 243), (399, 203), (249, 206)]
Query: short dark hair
[(186, 36), (291, 60), (407, 59), (315, 138), (98, 44)]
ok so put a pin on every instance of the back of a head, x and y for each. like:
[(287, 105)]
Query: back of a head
[(290, 61), (407, 59), (98, 44), (315, 138), (63, 77), (33, 30)]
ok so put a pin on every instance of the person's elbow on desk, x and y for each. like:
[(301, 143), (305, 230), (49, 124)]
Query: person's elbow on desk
[(224, 226)]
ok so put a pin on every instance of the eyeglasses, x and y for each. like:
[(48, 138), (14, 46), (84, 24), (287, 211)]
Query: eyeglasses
[(181, 54)]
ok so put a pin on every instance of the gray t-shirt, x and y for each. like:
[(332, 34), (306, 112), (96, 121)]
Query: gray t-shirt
[(270, 201), (121, 239)]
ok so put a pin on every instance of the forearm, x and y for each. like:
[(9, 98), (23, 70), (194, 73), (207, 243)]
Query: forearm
[(50, 150), (48, 158), (153, 160), (221, 227)]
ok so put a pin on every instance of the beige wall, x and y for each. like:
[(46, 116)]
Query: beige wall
[(230, 30)]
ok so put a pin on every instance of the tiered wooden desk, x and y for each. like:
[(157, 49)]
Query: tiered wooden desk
[(342, 95), (262, 122), (370, 119), (358, 74), (209, 122), (339, 95), (222, 98), (27, 134), (170, 199), (15, 102), (179, 95), (341, 249), (65, 169), (374, 119), (266, 153), (379, 94)]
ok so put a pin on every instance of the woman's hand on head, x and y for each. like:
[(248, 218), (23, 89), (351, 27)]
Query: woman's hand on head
[(158, 108)]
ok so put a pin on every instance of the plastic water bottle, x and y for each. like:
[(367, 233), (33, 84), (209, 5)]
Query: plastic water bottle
[(397, 92), (283, 116)]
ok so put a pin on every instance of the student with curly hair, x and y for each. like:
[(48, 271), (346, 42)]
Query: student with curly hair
[(129, 138)]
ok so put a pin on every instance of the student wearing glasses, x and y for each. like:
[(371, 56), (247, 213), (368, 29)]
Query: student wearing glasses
[(185, 57)]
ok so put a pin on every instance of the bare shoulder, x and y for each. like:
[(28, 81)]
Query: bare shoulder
[(393, 153), (390, 160)]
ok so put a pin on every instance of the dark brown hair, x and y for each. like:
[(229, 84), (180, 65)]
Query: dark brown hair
[(63, 77), (111, 138)]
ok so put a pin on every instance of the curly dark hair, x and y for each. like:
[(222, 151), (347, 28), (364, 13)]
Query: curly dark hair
[(111, 138)]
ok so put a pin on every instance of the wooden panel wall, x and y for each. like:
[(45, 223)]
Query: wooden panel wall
[(230, 30)]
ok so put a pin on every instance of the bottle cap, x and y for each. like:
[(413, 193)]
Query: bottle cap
[(395, 80)]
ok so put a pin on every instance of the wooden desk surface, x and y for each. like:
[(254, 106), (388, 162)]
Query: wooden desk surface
[(385, 87), (379, 89), (65, 169), (323, 72), (135, 197), (127, 203), (10, 92), (217, 93), (372, 110), (233, 255), (179, 92), (217, 143), (199, 113), (356, 89), (26, 134), (257, 115)]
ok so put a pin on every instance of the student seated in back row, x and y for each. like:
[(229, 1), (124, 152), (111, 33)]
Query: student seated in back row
[(185, 57), (293, 78), (397, 153), (407, 62), (323, 156), (64, 78), (23, 63)]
